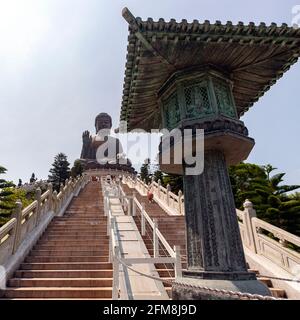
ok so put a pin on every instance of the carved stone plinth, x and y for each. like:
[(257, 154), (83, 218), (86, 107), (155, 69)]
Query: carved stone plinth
[(196, 289)]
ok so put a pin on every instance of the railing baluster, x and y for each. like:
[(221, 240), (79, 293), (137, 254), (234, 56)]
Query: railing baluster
[(38, 194), (178, 268), (143, 219), (155, 239), (133, 204), (115, 291), (18, 215)]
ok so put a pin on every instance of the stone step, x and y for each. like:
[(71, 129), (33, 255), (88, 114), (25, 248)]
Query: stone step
[(92, 225), (69, 252), (35, 259), (166, 273), (73, 238), (80, 218), (266, 281), (72, 233), (66, 266), (74, 242), (168, 265), (104, 292), (58, 282), (78, 228), (92, 247), (278, 293), (100, 232), (64, 274)]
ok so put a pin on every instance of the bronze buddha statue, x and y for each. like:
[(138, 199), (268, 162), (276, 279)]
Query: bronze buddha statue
[(102, 150)]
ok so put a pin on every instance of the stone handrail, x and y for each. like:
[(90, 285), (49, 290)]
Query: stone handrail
[(115, 191), (255, 233), (20, 233), (172, 203)]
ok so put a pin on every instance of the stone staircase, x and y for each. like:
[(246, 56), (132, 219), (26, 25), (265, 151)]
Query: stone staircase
[(173, 229), (70, 261)]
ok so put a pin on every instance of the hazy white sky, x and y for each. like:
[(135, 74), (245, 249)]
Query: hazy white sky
[(62, 62)]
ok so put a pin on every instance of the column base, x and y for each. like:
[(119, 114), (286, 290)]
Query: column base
[(214, 275), (189, 289)]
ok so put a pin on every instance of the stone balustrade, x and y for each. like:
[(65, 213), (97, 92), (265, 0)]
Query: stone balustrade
[(172, 203), (258, 236), (20, 233)]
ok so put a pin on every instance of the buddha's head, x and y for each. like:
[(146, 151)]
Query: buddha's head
[(103, 121)]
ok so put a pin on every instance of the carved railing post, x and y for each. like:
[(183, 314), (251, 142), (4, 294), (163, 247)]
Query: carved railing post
[(143, 226), (168, 194), (18, 216), (155, 239), (159, 187), (178, 269), (250, 229), (55, 202), (179, 201), (38, 194), (50, 188), (133, 204)]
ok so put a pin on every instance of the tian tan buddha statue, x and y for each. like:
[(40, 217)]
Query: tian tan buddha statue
[(102, 150)]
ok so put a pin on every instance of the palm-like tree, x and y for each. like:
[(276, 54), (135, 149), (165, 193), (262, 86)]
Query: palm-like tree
[(268, 195)]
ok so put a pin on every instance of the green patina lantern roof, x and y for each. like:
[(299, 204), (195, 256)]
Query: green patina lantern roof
[(255, 57)]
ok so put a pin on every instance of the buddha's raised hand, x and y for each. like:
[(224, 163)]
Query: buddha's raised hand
[(86, 138)]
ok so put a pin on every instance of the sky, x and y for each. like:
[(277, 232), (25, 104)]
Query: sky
[(62, 62)]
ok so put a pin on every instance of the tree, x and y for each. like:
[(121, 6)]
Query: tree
[(77, 169), (33, 178), (175, 181), (158, 175), (20, 183), (60, 171), (272, 204), (145, 168), (295, 196), (6, 205)]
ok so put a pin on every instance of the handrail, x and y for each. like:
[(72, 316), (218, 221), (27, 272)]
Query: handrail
[(171, 202), (28, 220), (277, 232), (175, 254), (114, 250), (45, 195), (6, 228)]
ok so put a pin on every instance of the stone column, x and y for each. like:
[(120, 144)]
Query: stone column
[(214, 246), (215, 256)]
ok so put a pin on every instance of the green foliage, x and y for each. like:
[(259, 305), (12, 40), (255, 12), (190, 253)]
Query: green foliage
[(77, 169), (8, 198), (253, 182), (295, 196), (6, 205), (158, 175), (60, 171), (145, 171), (175, 181)]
